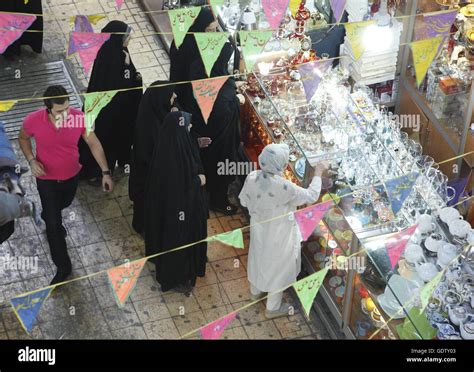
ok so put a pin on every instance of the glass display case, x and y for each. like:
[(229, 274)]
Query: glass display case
[(366, 151)]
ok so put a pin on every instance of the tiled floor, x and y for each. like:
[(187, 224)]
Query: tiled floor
[(100, 236)]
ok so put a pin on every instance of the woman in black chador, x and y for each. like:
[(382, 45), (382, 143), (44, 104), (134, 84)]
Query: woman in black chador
[(33, 39), (114, 126), (223, 128), (176, 211), (156, 103), (188, 52)]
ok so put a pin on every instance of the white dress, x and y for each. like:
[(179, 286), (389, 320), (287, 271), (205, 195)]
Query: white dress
[(274, 260)]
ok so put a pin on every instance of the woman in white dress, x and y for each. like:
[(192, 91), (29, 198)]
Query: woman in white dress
[(274, 260)]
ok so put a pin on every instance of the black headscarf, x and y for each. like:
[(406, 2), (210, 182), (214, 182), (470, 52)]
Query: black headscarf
[(109, 66), (33, 39), (154, 106), (176, 212), (188, 51)]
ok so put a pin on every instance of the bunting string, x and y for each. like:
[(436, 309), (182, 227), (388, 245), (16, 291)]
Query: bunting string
[(202, 6)]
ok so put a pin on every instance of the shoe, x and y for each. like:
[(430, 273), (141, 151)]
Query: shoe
[(96, 182), (284, 310), (257, 297), (183, 289), (60, 277), (228, 210)]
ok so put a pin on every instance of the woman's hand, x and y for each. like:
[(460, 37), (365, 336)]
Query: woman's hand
[(37, 168), (204, 142), (241, 98), (127, 57), (202, 177)]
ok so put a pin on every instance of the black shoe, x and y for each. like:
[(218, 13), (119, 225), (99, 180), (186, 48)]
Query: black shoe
[(228, 210), (60, 277)]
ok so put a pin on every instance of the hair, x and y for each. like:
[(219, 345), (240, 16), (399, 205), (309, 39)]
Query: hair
[(55, 91)]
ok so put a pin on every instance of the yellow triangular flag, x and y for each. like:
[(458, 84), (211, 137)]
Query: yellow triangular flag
[(7, 105), (294, 5), (424, 51), (355, 32)]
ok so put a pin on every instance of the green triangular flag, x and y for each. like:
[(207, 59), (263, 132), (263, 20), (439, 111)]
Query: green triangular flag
[(427, 290), (308, 288), (210, 45), (94, 104), (233, 238), (416, 326), (181, 19), (252, 43), (215, 4)]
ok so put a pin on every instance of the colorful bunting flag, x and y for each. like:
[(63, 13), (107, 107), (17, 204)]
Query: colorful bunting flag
[(27, 308), (416, 326), (396, 245), (214, 330), (206, 92), (458, 185), (123, 279), (294, 5), (181, 19), (119, 4), (87, 45), (7, 105), (12, 26), (233, 238), (309, 218), (436, 24), (424, 51), (311, 75), (274, 11), (81, 24), (252, 43), (337, 7), (214, 4), (210, 45), (427, 290), (355, 32), (308, 288), (93, 105), (398, 189)]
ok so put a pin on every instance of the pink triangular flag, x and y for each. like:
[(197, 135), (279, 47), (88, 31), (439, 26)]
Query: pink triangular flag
[(206, 92), (12, 26), (308, 218), (274, 11), (214, 330), (123, 279), (338, 8), (119, 4), (87, 45), (396, 245)]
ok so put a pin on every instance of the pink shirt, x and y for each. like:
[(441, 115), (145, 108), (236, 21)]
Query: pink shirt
[(56, 149)]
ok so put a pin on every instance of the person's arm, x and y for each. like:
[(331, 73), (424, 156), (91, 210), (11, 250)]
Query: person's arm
[(311, 194), (25, 144), (98, 152)]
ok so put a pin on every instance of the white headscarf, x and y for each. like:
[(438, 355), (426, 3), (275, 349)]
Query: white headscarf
[(274, 159)]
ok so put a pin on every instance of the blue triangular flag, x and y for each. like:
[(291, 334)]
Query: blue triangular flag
[(27, 307), (398, 189), (459, 185)]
